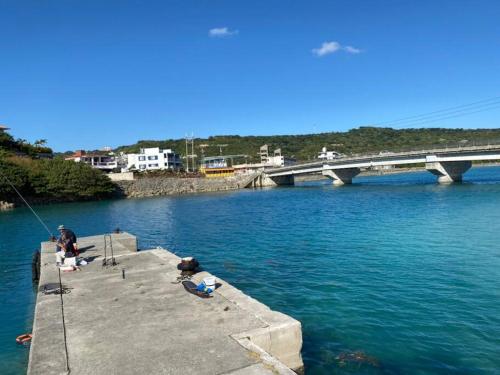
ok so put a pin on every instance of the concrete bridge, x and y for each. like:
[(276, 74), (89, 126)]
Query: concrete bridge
[(447, 164)]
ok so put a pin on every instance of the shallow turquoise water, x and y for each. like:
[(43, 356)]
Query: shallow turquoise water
[(397, 267)]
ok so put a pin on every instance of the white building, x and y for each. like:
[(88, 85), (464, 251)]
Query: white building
[(328, 155), (276, 159), (105, 161), (154, 159)]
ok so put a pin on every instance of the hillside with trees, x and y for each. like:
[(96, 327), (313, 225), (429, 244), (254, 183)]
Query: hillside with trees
[(39, 177), (306, 147), (42, 176)]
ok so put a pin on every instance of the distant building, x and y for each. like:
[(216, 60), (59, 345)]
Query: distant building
[(264, 154), (3, 128), (150, 159), (214, 162), (219, 166), (105, 161), (328, 155), (276, 159), (267, 161)]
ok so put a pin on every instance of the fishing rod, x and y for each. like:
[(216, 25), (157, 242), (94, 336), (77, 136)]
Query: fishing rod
[(68, 370)]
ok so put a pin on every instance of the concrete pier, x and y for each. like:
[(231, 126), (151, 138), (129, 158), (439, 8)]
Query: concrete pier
[(341, 176), (448, 172), (266, 181), (147, 323)]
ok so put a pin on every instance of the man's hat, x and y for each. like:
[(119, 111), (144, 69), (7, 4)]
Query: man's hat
[(60, 227)]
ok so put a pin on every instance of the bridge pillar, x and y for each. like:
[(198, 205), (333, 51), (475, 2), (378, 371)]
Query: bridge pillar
[(448, 171), (341, 176), (277, 180)]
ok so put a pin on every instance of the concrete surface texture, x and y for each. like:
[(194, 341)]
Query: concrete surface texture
[(147, 323)]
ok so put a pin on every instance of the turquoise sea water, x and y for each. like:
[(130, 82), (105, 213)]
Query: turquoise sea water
[(397, 267)]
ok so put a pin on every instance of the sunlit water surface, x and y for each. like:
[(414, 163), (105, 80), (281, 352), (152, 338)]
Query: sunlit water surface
[(403, 270)]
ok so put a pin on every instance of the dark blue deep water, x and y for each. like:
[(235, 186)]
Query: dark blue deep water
[(396, 267)]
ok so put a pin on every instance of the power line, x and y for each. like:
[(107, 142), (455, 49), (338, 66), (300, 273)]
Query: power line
[(441, 111), (452, 114), (463, 109), (447, 116)]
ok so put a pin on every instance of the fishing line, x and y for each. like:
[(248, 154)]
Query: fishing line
[(27, 204), (61, 289)]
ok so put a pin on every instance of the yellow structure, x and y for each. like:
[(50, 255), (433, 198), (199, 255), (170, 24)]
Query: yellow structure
[(217, 172)]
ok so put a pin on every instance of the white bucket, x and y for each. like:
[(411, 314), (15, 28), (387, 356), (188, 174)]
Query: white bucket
[(70, 261), (209, 282)]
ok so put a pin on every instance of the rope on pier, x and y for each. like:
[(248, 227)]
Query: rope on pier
[(63, 323)]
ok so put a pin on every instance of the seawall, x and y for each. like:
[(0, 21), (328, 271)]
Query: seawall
[(149, 187), (153, 186), (133, 317)]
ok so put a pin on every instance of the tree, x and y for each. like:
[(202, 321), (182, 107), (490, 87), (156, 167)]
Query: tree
[(40, 143), (11, 173)]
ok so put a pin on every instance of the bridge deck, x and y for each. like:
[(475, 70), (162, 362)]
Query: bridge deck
[(470, 153)]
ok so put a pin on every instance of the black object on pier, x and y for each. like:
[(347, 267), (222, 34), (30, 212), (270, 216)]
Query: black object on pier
[(108, 243), (35, 267)]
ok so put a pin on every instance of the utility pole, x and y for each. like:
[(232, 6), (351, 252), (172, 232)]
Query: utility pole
[(220, 148), (187, 155), (190, 140), (192, 152), (202, 148)]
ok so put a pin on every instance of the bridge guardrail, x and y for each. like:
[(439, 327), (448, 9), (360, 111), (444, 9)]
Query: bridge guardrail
[(470, 146), (444, 146), (482, 145)]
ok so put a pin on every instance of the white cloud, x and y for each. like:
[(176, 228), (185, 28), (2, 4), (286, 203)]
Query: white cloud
[(220, 32), (326, 48), (332, 47), (351, 49)]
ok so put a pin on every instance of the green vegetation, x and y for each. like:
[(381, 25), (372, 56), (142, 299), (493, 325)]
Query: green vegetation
[(39, 177), (46, 179), (306, 147), (21, 146)]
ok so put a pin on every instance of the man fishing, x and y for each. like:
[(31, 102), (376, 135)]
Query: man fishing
[(66, 245)]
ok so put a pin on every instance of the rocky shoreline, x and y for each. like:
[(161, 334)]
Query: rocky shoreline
[(148, 187), (157, 186), (6, 206), (152, 186)]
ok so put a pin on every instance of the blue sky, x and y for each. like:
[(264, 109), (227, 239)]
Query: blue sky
[(88, 74)]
